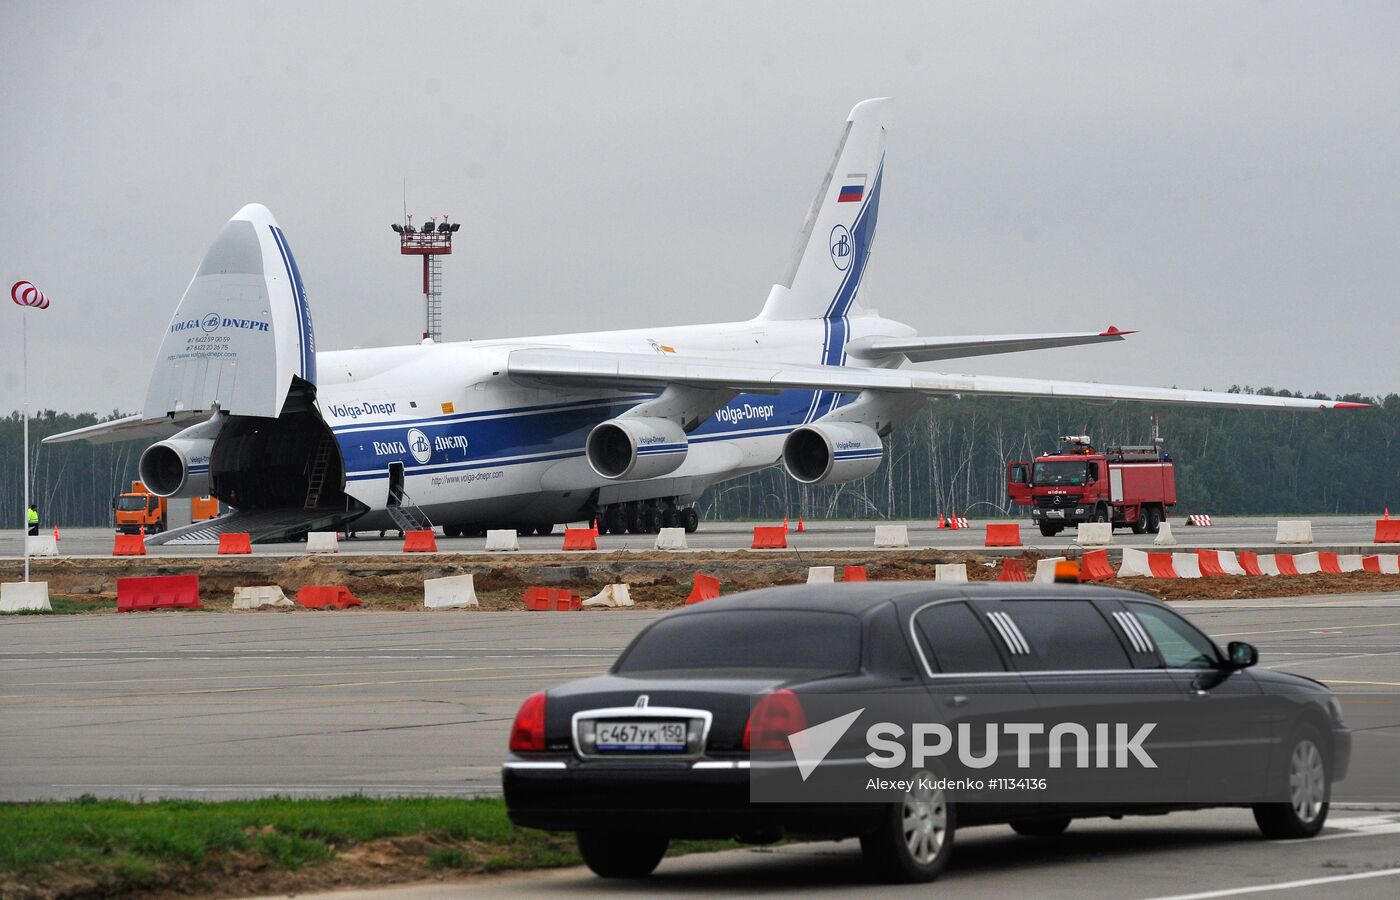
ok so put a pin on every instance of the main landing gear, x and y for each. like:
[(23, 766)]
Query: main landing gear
[(646, 517)]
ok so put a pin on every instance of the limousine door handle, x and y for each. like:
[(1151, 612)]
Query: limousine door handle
[(956, 700)]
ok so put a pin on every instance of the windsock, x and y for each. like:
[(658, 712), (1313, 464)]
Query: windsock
[(26, 294)]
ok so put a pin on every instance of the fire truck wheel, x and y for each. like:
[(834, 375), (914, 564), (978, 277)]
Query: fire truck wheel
[(1154, 520), (1140, 526), (1100, 515), (1048, 530)]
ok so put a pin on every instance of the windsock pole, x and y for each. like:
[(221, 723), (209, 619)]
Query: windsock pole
[(24, 513)]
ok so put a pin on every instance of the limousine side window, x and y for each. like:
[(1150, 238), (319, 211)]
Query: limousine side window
[(1181, 645), (958, 641), (1064, 635)]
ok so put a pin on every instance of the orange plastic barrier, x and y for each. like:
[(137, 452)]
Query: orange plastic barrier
[(1371, 564), (1209, 561), (543, 599), (1161, 565), (1250, 563), (1007, 534), (424, 541), (1387, 531), (1012, 568), (769, 537), (129, 545), (1285, 564), (706, 588), (853, 573), (1329, 563), (321, 596), (1093, 566), (580, 539), (158, 592), (233, 543)]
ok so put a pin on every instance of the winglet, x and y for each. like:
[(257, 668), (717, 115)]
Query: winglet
[(1113, 331), (1347, 404)]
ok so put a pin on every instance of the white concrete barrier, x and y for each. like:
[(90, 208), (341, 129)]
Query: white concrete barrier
[(1186, 565), (1268, 563), (1294, 531), (1134, 564), (821, 574), (1094, 534), (1390, 564), (671, 539), (1230, 562), (1307, 563), (19, 596), (1045, 569), (1164, 536), (612, 596), (1349, 562), (260, 595), (41, 545), (454, 592), (322, 542), (501, 539), (891, 536), (952, 572)]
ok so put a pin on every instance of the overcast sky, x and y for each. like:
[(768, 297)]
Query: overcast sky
[(1221, 177)]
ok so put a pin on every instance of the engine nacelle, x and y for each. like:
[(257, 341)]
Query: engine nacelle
[(179, 466), (832, 452), (627, 449)]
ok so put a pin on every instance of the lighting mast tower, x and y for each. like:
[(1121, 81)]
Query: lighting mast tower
[(432, 241)]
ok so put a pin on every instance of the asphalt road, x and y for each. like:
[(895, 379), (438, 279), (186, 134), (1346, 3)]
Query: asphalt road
[(1328, 532), (223, 705)]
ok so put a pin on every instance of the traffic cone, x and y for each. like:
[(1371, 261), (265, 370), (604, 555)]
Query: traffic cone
[(595, 527), (785, 525), (56, 538), (940, 521), (1387, 513), (953, 521), (800, 526), (143, 531)]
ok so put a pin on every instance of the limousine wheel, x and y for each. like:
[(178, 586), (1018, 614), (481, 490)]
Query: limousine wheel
[(916, 838), (1041, 827), (621, 854), (1308, 788)]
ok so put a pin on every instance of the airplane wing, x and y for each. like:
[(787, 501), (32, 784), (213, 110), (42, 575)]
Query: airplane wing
[(600, 369), (929, 349), (130, 428)]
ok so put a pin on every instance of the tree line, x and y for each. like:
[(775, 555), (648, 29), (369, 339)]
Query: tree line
[(949, 458)]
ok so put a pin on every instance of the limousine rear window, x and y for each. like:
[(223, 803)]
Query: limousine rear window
[(1065, 635), (748, 639)]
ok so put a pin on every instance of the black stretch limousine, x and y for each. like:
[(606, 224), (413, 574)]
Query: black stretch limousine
[(705, 703)]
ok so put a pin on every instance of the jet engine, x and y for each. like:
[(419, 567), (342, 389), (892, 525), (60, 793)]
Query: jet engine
[(832, 452), (627, 449), (179, 466)]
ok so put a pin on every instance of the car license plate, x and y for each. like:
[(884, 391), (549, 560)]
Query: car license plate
[(640, 735), (1056, 514)]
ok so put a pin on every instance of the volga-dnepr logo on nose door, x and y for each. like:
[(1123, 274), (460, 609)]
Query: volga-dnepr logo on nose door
[(419, 446)]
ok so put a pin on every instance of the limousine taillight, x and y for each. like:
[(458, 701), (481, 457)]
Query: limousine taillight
[(527, 734), (775, 717)]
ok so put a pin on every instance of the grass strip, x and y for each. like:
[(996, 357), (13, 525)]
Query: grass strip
[(98, 848)]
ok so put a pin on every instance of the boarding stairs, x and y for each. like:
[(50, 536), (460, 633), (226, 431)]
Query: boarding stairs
[(408, 517)]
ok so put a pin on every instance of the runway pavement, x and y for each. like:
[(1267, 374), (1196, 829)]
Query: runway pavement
[(1346, 533), (223, 705)]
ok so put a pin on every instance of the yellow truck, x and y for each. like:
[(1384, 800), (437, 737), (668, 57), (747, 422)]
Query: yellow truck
[(139, 509)]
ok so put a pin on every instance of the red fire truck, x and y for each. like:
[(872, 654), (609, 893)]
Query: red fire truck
[(1128, 486)]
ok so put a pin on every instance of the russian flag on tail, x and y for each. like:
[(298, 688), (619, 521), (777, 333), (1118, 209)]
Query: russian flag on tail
[(852, 188)]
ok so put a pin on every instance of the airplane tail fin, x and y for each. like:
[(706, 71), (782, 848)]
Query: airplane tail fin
[(242, 332), (834, 246)]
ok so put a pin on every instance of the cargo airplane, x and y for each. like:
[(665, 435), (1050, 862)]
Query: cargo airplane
[(627, 426)]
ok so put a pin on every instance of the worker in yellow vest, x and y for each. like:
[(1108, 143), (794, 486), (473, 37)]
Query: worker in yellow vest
[(33, 519)]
